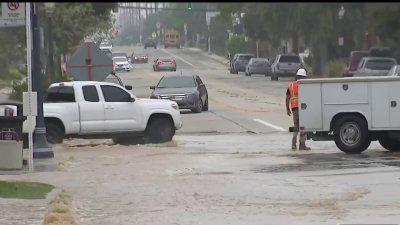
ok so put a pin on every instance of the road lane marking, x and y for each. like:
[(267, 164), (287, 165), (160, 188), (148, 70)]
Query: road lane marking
[(269, 125), (183, 60)]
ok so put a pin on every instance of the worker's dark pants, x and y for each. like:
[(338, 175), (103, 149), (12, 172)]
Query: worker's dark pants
[(295, 113)]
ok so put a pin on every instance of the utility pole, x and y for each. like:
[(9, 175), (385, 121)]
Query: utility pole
[(147, 6)]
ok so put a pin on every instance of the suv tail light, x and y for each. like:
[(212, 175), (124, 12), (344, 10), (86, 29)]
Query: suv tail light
[(173, 62)]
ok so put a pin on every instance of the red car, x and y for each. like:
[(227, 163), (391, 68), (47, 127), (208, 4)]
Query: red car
[(139, 59)]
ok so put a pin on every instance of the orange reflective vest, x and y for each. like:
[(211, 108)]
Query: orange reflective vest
[(294, 94)]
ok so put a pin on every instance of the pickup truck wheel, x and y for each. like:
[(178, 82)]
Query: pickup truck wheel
[(54, 133), (128, 140), (351, 134), (160, 130), (390, 144)]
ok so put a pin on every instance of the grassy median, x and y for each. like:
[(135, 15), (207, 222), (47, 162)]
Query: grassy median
[(24, 190)]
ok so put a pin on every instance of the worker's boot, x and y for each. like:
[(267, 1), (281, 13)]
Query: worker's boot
[(304, 147), (294, 147)]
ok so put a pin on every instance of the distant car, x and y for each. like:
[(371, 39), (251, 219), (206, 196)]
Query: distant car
[(105, 45), (150, 42), (258, 66), (188, 90), (239, 62), (374, 66), (285, 65), (108, 52), (394, 71), (140, 58), (164, 63), (112, 78), (121, 64), (354, 60)]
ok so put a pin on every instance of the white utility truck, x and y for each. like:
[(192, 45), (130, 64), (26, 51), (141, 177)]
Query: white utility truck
[(351, 111), (91, 109)]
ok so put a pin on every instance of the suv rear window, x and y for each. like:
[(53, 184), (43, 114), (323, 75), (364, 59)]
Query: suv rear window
[(289, 58), (61, 94), (379, 64)]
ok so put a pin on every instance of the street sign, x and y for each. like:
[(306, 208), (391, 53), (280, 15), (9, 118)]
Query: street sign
[(158, 25), (209, 15), (12, 14), (154, 35), (89, 63)]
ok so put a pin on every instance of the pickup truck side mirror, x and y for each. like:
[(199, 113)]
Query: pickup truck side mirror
[(132, 99), (128, 87), (152, 87)]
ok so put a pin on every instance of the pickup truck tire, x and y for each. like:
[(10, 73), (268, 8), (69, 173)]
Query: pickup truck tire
[(160, 130), (351, 134), (128, 140), (390, 144), (54, 133)]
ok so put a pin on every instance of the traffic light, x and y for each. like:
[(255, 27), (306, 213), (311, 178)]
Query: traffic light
[(189, 6)]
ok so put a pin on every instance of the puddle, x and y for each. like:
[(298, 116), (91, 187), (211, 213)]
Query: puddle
[(334, 161)]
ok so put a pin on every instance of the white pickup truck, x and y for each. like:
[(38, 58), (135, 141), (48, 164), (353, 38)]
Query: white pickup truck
[(91, 109), (351, 111)]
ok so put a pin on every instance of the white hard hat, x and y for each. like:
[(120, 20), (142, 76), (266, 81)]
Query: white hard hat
[(301, 72)]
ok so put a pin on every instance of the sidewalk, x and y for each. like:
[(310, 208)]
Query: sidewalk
[(217, 58)]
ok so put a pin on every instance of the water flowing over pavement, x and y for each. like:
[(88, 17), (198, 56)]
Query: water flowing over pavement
[(215, 179)]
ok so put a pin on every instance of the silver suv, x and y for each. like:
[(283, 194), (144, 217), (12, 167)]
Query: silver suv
[(239, 62), (374, 66), (285, 65)]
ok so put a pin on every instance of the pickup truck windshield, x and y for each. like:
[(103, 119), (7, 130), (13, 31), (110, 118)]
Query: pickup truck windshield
[(61, 94), (379, 64)]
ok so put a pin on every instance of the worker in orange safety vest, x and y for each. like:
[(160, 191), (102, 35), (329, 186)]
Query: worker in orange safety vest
[(292, 95)]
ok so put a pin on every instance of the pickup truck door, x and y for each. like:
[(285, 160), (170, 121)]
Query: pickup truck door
[(121, 114), (91, 111)]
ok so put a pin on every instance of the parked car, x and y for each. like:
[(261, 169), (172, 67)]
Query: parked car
[(285, 65), (113, 78), (164, 63), (150, 42), (258, 66), (354, 60), (188, 90), (374, 66), (121, 64), (140, 58), (394, 71), (239, 62)]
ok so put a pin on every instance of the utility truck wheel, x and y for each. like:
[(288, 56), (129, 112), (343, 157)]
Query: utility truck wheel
[(160, 130), (54, 133), (351, 134), (390, 144)]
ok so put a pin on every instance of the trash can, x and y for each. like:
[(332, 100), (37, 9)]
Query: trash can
[(11, 141)]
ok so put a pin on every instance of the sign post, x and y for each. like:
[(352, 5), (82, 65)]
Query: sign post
[(89, 63), (208, 20), (185, 30)]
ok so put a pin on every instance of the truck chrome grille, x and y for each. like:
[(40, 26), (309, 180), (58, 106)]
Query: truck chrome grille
[(176, 97)]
